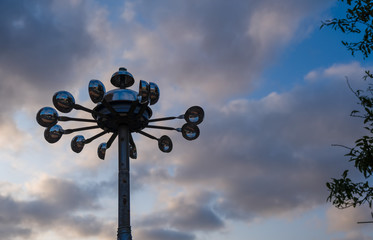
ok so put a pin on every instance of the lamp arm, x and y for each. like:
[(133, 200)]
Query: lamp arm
[(147, 135), (65, 119), (68, 131), (164, 128), (111, 140), (80, 107), (95, 136), (166, 118)]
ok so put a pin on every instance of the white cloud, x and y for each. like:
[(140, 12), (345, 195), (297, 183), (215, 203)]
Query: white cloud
[(351, 69), (11, 138), (345, 221), (128, 13), (338, 72), (271, 27)]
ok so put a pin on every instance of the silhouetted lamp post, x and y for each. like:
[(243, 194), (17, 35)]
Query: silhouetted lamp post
[(120, 112)]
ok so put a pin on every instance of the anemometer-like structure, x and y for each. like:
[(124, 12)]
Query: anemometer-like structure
[(120, 112)]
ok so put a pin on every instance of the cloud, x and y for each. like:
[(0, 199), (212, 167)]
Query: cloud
[(53, 204), (264, 157), (128, 13), (354, 236), (254, 158), (191, 212), (163, 234), (46, 45), (350, 70), (64, 193), (11, 232), (346, 220), (213, 47), (12, 138)]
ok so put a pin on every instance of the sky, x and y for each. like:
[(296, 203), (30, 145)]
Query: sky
[(274, 91)]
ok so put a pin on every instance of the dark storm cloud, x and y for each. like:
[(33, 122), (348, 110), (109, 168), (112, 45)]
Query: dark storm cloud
[(187, 213), (88, 225), (275, 155), (54, 205), (163, 234), (10, 232), (42, 45), (216, 47), (41, 40), (269, 156)]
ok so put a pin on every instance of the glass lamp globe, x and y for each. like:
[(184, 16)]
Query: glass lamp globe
[(47, 117), (53, 134), (77, 143), (101, 150), (190, 131), (63, 101), (133, 151), (144, 91), (165, 144), (194, 115), (154, 93), (96, 90)]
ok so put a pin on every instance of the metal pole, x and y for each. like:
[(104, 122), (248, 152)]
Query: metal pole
[(365, 222), (124, 226)]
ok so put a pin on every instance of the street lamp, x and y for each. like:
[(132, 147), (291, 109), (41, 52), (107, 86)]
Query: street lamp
[(120, 112)]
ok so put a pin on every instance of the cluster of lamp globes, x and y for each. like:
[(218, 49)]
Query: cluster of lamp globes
[(116, 108)]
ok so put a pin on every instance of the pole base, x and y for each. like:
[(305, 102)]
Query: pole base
[(124, 234)]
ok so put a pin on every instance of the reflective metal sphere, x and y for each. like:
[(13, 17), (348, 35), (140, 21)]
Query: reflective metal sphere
[(133, 151), (102, 150), (53, 134), (47, 117), (144, 91), (194, 115), (130, 111), (116, 108), (63, 101), (122, 78), (96, 90), (154, 93), (165, 144), (121, 95), (77, 143), (190, 131)]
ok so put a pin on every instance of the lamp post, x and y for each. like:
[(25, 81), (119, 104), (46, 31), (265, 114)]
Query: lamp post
[(120, 112)]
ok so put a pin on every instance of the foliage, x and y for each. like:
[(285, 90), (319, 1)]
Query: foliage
[(344, 192), (358, 20)]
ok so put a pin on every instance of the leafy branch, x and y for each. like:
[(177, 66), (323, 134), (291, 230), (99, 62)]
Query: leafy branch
[(358, 20), (343, 192)]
